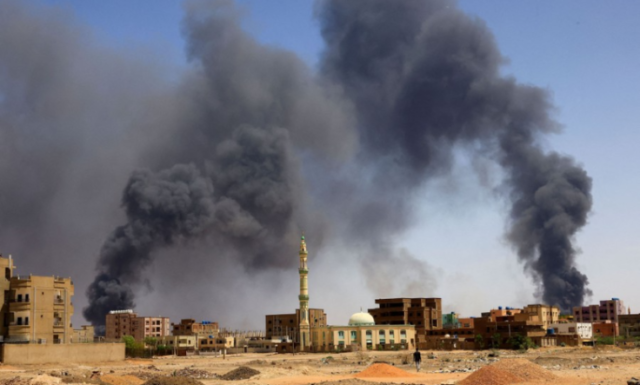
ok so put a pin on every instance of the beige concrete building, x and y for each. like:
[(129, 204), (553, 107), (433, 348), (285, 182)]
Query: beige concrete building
[(547, 314), (85, 334), (363, 334), (40, 310), (6, 264)]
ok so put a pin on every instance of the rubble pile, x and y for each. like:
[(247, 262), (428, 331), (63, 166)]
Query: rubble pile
[(173, 381), (241, 373), (194, 373)]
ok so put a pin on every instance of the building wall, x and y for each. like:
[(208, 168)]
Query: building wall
[(546, 314), (23, 354), (83, 335), (40, 310), (629, 325), (179, 342), (583, 329), (119, 323), (6, 266), (605, 329), (189, 326), (156, 327), (329, 338), (423, 313), (280, 325), (606, 310)]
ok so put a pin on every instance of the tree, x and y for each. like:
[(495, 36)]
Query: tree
[(150, 341), (129, 342), (479, 340), (520, 342), (496, 340)]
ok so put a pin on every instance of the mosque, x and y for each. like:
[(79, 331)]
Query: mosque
[(307, 329)]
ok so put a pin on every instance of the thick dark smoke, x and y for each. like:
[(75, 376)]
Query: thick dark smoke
[(249, 146), (425, 78)]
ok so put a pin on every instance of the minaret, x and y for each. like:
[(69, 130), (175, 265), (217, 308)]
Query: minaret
[(304, 298)]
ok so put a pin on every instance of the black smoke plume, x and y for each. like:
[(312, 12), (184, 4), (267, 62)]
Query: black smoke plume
[(248, 146), (424, 78)]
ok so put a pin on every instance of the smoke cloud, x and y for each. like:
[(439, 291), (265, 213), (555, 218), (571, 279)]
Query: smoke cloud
[(424, 78), (250, 146)]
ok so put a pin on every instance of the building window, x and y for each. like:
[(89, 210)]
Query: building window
[(26, 320), (354, 336), (7, 273), (341, 335), (403, 336), (369, 338), (391, 337), (26, 298), (19, 299), (19, 321), (381, 337)]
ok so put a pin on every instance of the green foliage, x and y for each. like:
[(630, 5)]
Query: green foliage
[(562, 344), (479, 340), (129, 342), (496, 340), (520, 342), (150, 341)]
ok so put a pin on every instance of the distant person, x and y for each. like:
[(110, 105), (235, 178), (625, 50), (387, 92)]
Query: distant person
[(417, 358)]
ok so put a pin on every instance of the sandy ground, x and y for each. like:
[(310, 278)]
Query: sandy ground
[(571, 365)]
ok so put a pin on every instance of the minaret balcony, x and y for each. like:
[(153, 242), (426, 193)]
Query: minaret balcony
[(303, 271), (303, 297)]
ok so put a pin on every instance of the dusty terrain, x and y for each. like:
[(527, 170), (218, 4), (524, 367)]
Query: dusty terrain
[(537, 366)]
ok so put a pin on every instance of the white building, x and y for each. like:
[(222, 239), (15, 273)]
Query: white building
[(582, 329)]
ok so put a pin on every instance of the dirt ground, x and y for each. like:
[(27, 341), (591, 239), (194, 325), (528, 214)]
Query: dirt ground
[(570, 366)]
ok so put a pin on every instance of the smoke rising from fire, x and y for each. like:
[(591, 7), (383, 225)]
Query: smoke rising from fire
[(219, 156)]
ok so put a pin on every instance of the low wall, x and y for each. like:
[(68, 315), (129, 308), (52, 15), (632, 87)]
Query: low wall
[(50, 353)]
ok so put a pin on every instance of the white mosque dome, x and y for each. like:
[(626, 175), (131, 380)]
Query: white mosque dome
[(361, 319)]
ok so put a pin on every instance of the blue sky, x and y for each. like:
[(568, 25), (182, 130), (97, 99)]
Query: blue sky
[(585, 53)]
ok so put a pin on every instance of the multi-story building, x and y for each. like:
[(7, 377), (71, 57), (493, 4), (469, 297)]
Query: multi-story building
[(583, 329), (629, 325), (34, 308), (6, 264), (423, 313), (40, 310), (546, 314), (143, 327), (606, 310), (497, 330), (120, 323), (286, 325), (85, 334), (189, 327)]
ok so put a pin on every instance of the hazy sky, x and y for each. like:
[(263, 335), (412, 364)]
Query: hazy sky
[(585, 53)]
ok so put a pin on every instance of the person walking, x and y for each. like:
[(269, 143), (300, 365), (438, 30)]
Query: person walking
[(417, 358)]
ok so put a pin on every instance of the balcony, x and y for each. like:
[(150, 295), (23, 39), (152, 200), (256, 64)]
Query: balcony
[(58, 323)]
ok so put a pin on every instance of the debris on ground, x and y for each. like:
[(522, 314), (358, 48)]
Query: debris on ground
[(383, 370), (633, 381), (194, 373), (241, 373), (173, 381)]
